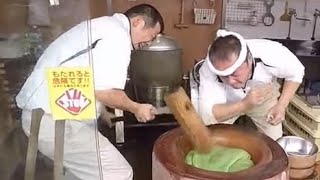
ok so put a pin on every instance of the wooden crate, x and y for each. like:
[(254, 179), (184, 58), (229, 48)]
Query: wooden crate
[(305, 114), (292, 126)]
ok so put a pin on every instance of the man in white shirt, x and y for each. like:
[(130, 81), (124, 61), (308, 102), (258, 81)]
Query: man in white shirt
[(113, 39), (240, 76)]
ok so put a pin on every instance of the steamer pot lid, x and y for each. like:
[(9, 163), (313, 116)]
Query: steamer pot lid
[(161, 43)]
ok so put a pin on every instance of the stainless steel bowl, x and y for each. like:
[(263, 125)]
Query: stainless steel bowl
[(302, 155), (297, 146)]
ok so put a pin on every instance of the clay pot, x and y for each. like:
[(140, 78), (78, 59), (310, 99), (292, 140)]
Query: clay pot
[(171, 148)]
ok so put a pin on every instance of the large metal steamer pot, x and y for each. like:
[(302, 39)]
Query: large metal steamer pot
[(156, 69)]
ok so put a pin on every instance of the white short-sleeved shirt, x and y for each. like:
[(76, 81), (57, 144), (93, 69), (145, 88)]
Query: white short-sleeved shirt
[(111, 57), (276, 62)]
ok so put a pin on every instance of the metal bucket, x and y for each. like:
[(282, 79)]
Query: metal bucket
[(155, 69)]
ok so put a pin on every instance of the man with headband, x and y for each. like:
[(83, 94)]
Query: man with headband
[(240, 76)]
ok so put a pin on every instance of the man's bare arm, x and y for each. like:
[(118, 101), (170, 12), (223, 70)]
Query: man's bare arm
[(116, 98), (255, 96)]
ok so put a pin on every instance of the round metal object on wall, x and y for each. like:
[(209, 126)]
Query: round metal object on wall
[(156, 69), (268, 18)]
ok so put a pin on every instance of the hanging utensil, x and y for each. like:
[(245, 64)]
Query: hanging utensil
[(253, 21), (268, 18), (285, 16), (181, 25), (305, 16)]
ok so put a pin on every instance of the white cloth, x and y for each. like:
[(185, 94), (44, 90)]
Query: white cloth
[(111, 58), (277, 62), (241, 58)]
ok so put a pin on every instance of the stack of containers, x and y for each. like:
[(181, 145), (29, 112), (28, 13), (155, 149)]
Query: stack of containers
[(302, 120)]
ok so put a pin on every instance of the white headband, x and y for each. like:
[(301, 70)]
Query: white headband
[(239, 61)]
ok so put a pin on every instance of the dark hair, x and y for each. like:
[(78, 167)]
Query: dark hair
[(223, 47), (150, 15)]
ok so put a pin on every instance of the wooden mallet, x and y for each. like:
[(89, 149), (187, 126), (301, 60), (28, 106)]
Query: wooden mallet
[(190, 122)]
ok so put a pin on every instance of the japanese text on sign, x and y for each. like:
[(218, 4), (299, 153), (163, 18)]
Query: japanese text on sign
[(70, 78), (71, 93)]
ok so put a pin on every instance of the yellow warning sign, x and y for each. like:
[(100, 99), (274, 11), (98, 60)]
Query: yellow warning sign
[(71, 93)]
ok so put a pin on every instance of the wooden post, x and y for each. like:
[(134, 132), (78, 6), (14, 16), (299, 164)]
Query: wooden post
[(59, 149), (36, 116), (191, 123)]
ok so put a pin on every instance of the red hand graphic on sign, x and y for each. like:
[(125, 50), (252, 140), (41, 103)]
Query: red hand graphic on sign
[(73, 101)]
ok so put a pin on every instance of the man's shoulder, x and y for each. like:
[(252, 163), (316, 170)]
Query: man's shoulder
[(206, 73), (265, 49), (118, 23), (266, 42), (112, 29)]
